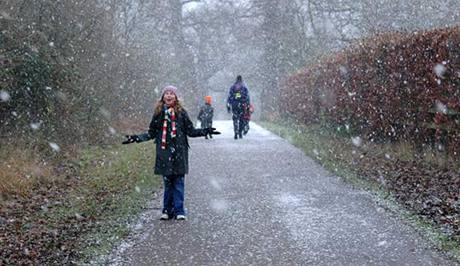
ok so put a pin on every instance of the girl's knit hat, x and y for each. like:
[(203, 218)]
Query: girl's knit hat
[(170, 88)]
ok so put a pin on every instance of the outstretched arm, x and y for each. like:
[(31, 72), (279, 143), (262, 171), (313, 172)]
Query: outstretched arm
[(191, 131), (153, 129)]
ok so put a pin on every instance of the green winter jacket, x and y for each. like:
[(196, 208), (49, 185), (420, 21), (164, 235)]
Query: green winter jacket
[(174, 159)]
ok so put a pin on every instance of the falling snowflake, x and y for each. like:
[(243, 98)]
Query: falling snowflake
[(51, 44), (4, 96), (54, 146), (112, 131), (381, 177), (315, 151), (440, 147), (441, 108), (35, 126), (439, 69), (357, 141), (138, 190), (79, 217)]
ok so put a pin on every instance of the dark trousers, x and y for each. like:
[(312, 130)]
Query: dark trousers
[(206, 123), (238, 123), (246, 126)]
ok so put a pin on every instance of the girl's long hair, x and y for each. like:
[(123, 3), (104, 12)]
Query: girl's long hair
[(160, 103)]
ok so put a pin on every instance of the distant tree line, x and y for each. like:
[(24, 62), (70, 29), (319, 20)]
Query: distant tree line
[(72, 68)]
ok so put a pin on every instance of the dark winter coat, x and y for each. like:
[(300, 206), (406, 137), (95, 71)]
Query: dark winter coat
[(174, 159), (205, 115), (238, 96)]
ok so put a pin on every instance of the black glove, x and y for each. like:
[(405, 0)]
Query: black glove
[(211, 131), (131, 139), (228, 108)]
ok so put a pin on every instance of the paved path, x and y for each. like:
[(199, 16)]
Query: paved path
[(261, 201)]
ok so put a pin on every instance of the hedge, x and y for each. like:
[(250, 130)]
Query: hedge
[(385, 88)]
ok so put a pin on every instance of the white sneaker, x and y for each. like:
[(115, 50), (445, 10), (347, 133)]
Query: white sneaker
[(181, 217), (164, 216)]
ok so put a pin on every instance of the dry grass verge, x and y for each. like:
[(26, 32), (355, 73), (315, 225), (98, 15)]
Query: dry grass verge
[(70, 211)]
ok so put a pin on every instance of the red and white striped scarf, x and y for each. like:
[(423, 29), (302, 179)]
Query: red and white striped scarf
[(169, 116)]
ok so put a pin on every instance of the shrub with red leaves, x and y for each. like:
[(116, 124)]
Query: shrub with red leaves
[(385, 87)]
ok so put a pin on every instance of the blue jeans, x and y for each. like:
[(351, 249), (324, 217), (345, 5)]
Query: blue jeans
[(173, 197)]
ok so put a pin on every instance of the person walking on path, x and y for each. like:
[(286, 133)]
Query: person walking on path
[(238, 98), (169, 128), (206, 114), (247, 117)]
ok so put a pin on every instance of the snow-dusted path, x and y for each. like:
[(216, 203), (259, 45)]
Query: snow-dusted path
[(261, 201)]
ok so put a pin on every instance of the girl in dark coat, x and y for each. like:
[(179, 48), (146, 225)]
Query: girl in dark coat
[(169, 128)]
